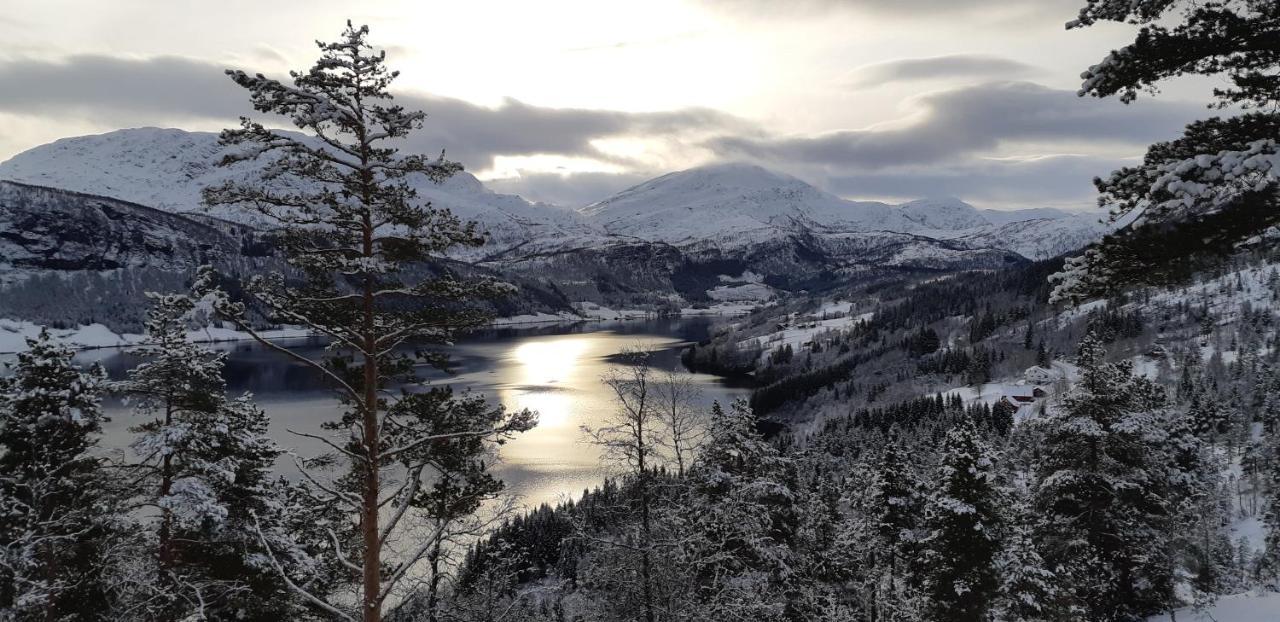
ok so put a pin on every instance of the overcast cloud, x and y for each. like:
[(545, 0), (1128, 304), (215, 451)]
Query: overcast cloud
[(972, 120), (568, 103), (952, 66), (118, 92)]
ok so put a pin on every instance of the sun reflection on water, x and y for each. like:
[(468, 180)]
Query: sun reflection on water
[(545, 378)]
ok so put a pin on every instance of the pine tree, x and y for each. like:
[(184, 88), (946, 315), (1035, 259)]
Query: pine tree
[(1042, 356), (892, 511), (1102, 492), (365, 253), (57, 516), (204, 464), (962, 526), (1028, 589), (1198, 196), (742, 516)]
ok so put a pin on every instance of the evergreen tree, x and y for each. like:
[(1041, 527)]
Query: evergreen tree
[(57, 516), (365, 255), (962, 526), (892, 512), (204, 465), (743, 514), (1103, 494), (1196, 197), (1028, 589)]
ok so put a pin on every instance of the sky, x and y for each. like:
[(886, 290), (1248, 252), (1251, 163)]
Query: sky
[(568, 101)]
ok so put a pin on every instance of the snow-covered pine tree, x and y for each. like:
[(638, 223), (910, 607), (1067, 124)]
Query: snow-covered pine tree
[(1102, 492), (1028, 589), (740, 521), (57, 513), (1202, 540), (366, 251), (893, 510), (1194, 198), (203, 464), (962, 530)]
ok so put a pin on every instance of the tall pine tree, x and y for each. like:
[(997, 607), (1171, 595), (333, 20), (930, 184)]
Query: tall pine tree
[(365, 255), (962, 530), (1103, 494)]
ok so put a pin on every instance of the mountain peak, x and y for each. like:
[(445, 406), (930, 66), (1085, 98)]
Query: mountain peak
[(943, 213)]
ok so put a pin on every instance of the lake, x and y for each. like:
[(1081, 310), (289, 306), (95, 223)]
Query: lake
[(554, 370)]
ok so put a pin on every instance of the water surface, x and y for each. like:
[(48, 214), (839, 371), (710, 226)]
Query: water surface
[(554, 370)]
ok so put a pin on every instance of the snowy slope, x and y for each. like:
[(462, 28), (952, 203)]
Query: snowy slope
[(733, 203), (1004, 217), (722, 206), (167, 168), (1039, 238), (947, 213)]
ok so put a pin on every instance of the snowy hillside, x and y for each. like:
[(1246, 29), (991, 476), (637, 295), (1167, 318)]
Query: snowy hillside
[(721, 206), (167, 168), (948, 213), (732, 205), (1004, 217), (1040, 238), (733, 202), (44, 229)]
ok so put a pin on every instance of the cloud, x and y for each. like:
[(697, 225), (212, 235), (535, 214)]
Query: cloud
[(476, 134), (1059, 10), (1050, 180), (943, 148), (119, 92), (950, 66), (572, 190), (973, 120)]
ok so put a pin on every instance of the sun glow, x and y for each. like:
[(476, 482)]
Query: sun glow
[(545, 369)]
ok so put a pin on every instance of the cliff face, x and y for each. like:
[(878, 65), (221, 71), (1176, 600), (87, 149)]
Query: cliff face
[(49, 229)]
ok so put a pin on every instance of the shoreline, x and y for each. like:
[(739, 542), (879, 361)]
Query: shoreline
[(13, 333)]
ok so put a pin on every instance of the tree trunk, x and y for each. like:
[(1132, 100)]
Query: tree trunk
[(165, 536), (433, 587), (372, 566)]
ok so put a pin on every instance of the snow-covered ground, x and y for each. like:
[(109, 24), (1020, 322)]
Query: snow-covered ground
[(1262, 607), (800, 331), (14, 335)]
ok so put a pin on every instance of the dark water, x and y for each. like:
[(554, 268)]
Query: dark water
[(554, 370)]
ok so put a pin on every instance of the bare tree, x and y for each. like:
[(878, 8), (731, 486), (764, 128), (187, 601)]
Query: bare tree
[(675, 398), (628, 441)]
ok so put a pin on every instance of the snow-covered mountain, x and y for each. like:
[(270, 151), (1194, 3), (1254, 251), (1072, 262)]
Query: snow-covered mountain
[(167, 168), (722, 206), (944, 213), (677, 237), (736, 205), (732, 204)]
